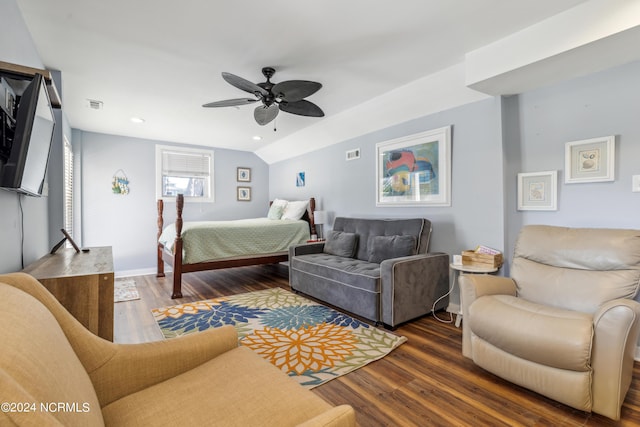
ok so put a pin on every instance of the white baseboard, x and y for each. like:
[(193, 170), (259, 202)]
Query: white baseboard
[(140, 272)]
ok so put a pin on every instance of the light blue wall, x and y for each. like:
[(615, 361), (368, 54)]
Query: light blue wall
[(347, 188), (602, 104), (20, 214), (493, 141), (128, 223)]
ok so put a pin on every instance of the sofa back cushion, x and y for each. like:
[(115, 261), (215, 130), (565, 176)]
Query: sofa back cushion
[(576, 268), (341, 243), (366, 228), (39, 367), (388, 247)]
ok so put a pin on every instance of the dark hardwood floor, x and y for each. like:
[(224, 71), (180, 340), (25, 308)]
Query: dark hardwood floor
[(424, 382)]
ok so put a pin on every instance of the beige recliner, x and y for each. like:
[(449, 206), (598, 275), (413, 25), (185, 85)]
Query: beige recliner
[(565, 324)]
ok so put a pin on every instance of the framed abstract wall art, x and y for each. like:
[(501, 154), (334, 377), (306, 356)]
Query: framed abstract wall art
[(590, 160), (415, 170), (300, 179), (537, 191)]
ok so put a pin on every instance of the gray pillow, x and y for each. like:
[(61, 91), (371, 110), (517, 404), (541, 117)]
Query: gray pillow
[(387, 247), (341, 243)]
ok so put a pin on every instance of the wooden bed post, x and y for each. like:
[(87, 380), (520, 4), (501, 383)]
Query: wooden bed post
[(177, 250), (312, 221), (160, 272)]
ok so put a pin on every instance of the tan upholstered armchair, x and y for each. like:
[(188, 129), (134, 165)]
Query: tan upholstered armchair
[(54, 372), (565, 324)]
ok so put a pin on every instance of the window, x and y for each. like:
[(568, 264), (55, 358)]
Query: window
[(186, 171), (68, 186)]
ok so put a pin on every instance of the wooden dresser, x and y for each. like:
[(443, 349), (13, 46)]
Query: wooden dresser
[(83, 283)]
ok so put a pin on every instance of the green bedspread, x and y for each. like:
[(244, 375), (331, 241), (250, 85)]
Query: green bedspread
[(212, 240)]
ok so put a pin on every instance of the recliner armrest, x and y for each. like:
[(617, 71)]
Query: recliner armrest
[(616, 326), (472, 287)]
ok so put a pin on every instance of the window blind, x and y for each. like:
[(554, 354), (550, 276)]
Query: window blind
[(68, 187), (185, 164)]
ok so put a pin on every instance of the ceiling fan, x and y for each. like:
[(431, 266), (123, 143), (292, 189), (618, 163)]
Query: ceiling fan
[(287, 96)]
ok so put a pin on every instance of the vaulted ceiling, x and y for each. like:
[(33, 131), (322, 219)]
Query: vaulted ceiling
[(160, 60)]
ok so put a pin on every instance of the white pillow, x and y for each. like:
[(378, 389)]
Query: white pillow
[(279, 202), (295, 210)]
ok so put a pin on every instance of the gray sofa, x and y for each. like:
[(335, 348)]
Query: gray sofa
[(379, 269)]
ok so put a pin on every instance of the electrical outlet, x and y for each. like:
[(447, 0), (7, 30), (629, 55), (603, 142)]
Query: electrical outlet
[(635, 183)]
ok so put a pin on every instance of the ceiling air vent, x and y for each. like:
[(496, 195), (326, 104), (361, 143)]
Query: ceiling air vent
[(94, 104), (353, 154)]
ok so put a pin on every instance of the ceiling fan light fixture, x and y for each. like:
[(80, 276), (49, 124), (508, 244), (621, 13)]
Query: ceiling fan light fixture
[(287, 96)]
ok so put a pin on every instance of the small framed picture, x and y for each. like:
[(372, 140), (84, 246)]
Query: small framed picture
[(244, 174), (300, 179), (590, 160), (537, 191), (244, 194)]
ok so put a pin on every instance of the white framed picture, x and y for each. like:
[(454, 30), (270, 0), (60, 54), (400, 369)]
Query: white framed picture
[(415, 170), (590, 160), (537, 191)]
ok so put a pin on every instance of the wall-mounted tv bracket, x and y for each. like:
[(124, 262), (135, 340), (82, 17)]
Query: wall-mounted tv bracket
[(21, 72)]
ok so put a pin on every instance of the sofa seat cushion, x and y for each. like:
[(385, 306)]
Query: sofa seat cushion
[(522, 328), (356, 273), (237, 388)]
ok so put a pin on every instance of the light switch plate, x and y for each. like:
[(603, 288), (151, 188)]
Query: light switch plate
[(635, 183)]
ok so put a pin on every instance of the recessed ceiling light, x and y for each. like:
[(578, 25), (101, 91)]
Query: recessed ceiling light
[(137, 120), (257, 138)]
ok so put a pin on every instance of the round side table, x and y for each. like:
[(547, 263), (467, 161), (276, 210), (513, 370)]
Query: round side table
[(467, 269)]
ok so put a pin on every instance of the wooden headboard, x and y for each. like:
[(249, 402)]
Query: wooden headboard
[(308, 215)]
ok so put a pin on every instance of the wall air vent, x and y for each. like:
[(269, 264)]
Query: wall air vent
[(94, 104), (353, 154)]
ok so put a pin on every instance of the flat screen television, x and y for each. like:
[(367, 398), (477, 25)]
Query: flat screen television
[(26, 166)]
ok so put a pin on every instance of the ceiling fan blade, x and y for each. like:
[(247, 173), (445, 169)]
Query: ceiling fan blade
[(243, 84), (264, 115), (295, 90), (302, 108), (231, 102)]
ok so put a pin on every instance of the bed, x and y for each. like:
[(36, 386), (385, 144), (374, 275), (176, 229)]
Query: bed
[(211, 245)]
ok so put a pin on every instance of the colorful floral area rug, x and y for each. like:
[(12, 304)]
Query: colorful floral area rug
[(310, 342), (125, 289)]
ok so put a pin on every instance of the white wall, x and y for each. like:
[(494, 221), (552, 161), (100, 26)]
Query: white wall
[(128, 223)]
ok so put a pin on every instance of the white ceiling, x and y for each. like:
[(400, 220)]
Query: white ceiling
[(161, 60)]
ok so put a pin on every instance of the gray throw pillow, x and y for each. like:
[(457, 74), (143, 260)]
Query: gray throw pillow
[(341, 243), (387, 247)]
